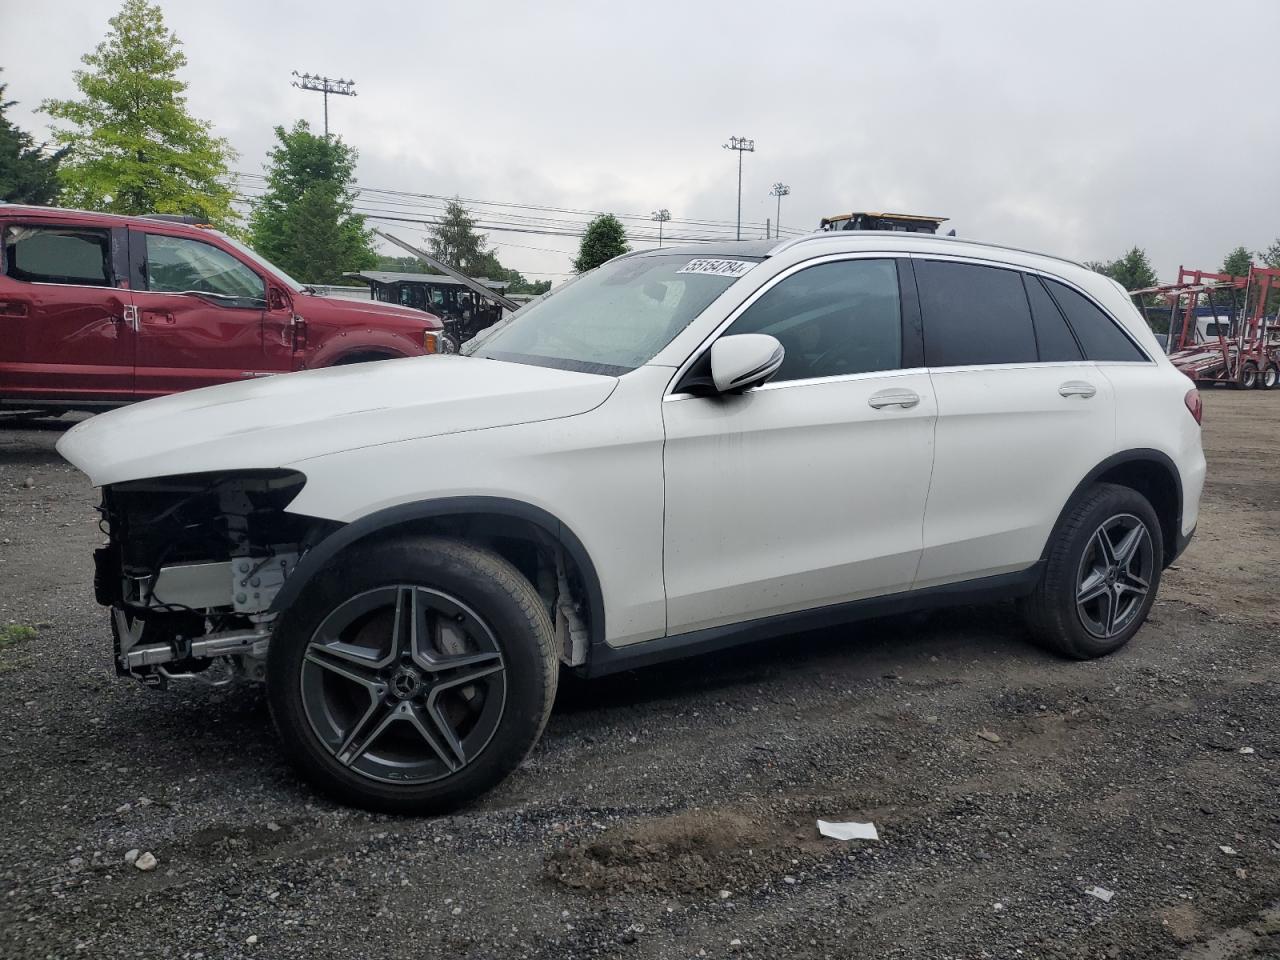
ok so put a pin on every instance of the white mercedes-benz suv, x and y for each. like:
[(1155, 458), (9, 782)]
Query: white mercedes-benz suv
[(686, 449)]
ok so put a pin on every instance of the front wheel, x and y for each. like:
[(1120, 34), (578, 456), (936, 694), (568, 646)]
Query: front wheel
[(1101, 575), (413, 675)]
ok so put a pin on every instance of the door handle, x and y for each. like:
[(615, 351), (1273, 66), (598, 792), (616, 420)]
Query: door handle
[(12, 308), (1077, 388), (893, 398)]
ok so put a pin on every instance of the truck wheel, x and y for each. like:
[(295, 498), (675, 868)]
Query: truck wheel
[(411, 676), (1248, 376), (1269, 378), (1101, 576)]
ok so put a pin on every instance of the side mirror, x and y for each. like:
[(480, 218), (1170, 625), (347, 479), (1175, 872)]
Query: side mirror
[(744, 360)]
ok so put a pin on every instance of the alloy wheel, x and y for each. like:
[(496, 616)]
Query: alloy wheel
[(404, 684), (1115, 576)]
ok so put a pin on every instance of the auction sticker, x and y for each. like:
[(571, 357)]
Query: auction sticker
[(718, 268)]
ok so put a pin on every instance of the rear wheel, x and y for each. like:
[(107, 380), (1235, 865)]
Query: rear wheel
[(1269, 378), (412, 676), (1101, 576), (1248, 376)]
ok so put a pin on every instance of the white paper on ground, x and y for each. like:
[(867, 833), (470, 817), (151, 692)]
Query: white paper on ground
[(848, 831), (1102, 893)]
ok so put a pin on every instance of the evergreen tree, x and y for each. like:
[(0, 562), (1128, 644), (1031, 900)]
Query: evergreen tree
[(305, 222), (605, 239), (134, 147), (1238, 262), (455, 241), (27, 173)]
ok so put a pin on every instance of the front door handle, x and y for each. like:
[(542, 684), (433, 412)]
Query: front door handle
[(893, 398), (12, 308), (1077, 388)]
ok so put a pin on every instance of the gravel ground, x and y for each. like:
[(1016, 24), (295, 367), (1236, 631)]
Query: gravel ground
[(670, 812)]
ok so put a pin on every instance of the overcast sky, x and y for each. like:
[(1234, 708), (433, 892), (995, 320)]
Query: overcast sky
[(1079, 128)]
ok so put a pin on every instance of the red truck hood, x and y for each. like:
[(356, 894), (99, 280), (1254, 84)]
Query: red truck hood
[(335, 309)]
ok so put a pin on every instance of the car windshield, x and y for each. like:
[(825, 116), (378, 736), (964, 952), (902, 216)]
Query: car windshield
[(614, 318), (263, 262)]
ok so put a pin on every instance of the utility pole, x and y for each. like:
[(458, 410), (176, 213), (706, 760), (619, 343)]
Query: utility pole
[(779, 190), (325, 86), (662, 216), (742, 145)]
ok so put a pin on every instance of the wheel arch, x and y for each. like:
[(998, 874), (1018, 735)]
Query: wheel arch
[(511, 521), (1152, 474)]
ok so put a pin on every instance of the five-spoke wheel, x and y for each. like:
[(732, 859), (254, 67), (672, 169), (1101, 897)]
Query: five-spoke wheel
[(413, 674), (1101, 574), (1115, 576), (404, 684)]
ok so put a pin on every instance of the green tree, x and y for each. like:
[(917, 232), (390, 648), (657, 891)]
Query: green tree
[(134, 147), (1134, 271), (605, 239), (305, 221), (1238, 262), (27, 173), (455, 241), (1271, 255)]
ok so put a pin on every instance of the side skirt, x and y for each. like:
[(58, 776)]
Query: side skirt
[(605, 659)]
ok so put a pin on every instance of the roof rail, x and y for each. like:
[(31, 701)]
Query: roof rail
[(833, 235)]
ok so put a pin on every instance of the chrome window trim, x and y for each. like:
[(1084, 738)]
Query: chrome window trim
[(1037, 271), (813, 381)]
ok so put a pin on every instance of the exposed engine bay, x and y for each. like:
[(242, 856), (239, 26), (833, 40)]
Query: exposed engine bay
[(191, 568)]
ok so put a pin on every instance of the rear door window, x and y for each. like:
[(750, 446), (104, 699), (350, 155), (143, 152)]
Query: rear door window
[(1053, 336), (1100, 336), (973, 315), (71, 255)]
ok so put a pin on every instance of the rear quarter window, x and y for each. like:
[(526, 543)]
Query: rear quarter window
[(1099, 335)]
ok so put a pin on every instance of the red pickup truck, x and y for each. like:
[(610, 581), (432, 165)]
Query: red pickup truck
[(98, 310)]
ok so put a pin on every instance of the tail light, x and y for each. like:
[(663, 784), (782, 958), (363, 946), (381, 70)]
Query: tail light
[(1194, 404)]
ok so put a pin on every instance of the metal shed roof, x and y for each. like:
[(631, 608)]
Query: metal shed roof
[(387, 276)]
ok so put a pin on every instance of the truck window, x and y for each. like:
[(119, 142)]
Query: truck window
[(179, 265), (72, 255)]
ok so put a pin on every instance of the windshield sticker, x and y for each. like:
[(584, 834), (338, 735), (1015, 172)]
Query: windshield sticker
[(719, 268)]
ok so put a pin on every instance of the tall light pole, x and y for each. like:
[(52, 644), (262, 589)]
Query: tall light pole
[(779, 190), (742, 145), (662, 216), (326, 86)]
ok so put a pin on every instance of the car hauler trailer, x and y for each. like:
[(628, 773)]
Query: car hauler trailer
[(1242, 352)]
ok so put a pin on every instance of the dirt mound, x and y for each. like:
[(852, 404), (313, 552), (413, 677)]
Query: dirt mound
[(688, 852)]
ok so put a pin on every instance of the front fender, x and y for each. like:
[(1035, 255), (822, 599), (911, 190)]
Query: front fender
[(315, 559), (344, 343)]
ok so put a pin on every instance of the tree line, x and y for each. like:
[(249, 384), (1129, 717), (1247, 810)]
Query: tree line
[(130, 145)]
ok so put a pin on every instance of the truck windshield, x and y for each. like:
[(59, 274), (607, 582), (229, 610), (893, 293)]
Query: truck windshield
[(263, 262), (614, 318)]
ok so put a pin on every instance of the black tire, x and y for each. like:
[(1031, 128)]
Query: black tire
[(1248, 377), (1269, 378), (494, 600), (1053, 613)]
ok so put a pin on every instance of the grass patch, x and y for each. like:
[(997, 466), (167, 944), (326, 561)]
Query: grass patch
[(15, 633)]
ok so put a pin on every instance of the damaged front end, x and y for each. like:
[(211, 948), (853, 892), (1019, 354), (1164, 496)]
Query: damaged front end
[(191, 568)]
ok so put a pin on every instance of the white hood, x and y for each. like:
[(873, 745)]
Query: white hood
[(278, 421)]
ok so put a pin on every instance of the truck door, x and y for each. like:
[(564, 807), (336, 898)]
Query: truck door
[(200, 314), (66, 318)]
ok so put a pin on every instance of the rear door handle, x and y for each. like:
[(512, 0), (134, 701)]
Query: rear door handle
[(893, 398), (1077, 388), (12, 308)]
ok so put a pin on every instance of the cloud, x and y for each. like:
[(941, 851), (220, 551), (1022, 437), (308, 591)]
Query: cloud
[(1062, 126)]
